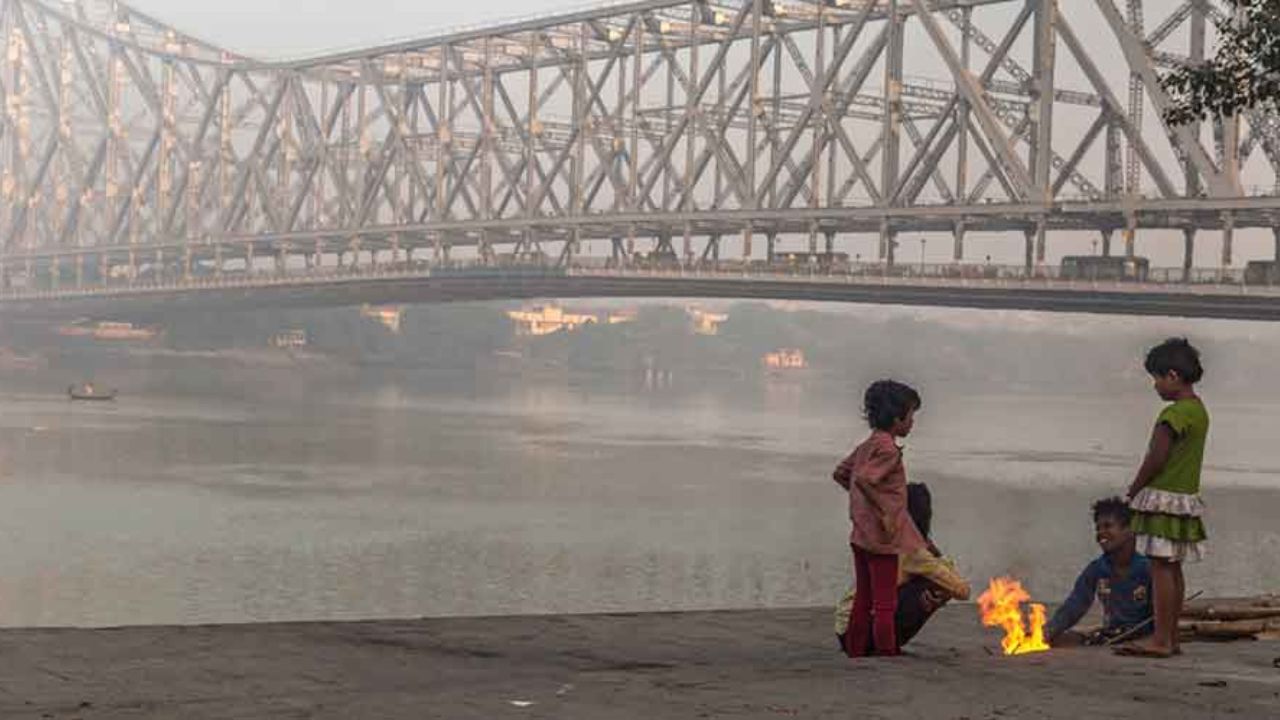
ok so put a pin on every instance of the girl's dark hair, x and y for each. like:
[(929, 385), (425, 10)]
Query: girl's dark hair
[(920, 507), (1108, 507), (887, 401), (1175, 355)]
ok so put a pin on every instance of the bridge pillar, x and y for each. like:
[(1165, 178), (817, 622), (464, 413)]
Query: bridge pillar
[(1275, 232), (79, 270), (770, 246), (1029, 249), (1131, 238), (1228, 236), (55, 273), (1106, 242), (746, 243), (186, 264), (248, 259), (958, 232), (1188, 253), (831, 243)]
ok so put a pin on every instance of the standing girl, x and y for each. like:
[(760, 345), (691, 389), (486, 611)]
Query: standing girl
[(1165, 495), (876, 480)]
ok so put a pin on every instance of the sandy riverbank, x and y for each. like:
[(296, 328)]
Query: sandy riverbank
[(756, 664)]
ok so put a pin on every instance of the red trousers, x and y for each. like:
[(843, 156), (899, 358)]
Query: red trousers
[(874, 605)]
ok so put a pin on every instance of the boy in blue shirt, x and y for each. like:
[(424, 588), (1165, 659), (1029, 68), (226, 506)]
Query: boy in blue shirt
[(1120, 578)]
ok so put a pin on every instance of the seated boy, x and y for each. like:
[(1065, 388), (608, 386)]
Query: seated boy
[(926, 580), (1120, 578)]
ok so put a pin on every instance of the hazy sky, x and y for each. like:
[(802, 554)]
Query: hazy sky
[(303, 27)]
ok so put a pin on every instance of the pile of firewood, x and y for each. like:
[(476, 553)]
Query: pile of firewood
[(1231, 619)]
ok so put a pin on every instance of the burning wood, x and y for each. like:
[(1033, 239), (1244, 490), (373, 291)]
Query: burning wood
[(1001, 606)]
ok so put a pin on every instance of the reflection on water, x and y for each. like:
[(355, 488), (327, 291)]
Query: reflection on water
[(413, 497)]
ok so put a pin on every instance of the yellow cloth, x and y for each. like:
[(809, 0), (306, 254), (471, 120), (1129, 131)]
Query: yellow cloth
[(941, 570)]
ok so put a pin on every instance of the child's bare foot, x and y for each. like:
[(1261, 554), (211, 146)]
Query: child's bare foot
[(1145, 650)]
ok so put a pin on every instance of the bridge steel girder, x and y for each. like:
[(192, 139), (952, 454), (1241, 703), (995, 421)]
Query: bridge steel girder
[(126, 144)]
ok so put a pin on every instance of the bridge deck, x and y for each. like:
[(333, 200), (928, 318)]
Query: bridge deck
[(410, 285)]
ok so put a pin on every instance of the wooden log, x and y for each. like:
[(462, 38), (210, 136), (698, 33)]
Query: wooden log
[(1237, 629), (1234, 612), (1197, 608)]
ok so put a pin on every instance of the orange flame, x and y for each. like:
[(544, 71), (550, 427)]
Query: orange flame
[(1001, 606)]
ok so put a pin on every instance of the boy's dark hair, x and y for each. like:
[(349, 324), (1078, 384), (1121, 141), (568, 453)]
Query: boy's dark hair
[(1112, 507), (1175, 355), (887, 401), (920, 507)]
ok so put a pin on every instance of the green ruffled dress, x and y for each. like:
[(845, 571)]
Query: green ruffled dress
[(1168, 514)]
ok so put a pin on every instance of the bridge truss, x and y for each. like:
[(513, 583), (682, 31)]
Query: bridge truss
[(128, 147)]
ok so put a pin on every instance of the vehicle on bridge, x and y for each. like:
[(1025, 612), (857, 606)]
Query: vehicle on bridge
[(1262, 272), (1105, 267), (657, 260), (827, 262)]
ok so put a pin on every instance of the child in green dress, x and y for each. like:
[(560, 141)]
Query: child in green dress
[(1165, 495)]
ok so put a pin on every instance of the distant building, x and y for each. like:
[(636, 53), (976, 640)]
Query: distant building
[(622, 316), (108, 331), (785, 359), (390, 315), (705, 322), (548, 319), (286, 339)]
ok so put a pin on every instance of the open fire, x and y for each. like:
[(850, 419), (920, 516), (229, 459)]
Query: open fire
[(1001, 606)]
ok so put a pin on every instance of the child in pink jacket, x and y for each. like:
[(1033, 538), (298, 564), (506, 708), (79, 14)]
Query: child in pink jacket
[(882, 531)]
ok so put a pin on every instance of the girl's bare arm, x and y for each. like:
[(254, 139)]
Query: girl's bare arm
[(1157, 456)]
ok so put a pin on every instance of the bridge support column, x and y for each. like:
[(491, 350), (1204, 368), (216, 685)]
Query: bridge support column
[(248, 259), (1042, 242), (770, 246), (186, 264), (957, 234), (615, 252), (831, 243), (1188, 253), (1228, 237), (1275, 232), (746, 243), (1106, 242), (55, 273), (1131, 238), (1029, 250), (79, 271)]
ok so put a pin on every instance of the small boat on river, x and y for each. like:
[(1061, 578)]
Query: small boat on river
[(88, 392)]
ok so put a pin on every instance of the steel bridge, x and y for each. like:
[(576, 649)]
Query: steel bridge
[(139, 161)]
